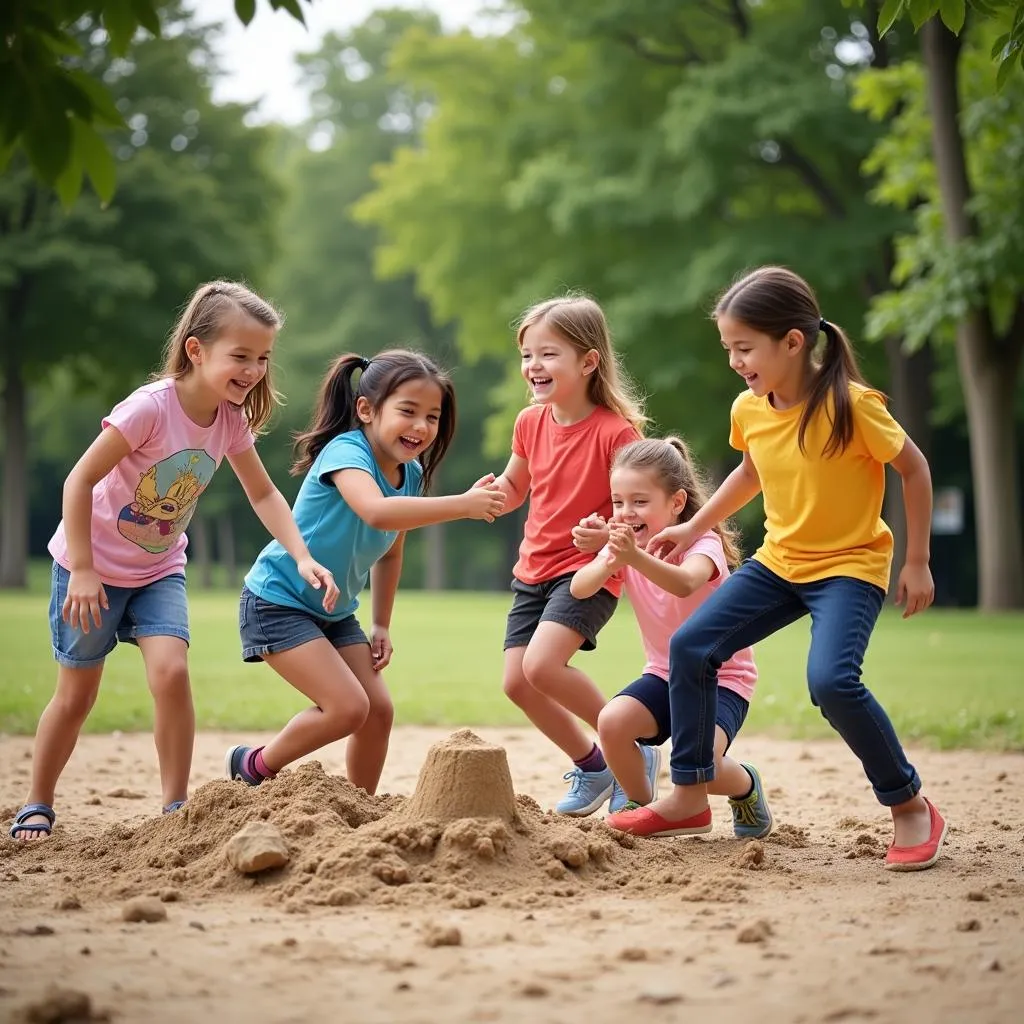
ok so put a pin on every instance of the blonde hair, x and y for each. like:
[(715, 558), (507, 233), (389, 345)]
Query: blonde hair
[(675, 469), (580, 322), (204, 317)]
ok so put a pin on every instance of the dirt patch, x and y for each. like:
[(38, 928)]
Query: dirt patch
[(409, 908)]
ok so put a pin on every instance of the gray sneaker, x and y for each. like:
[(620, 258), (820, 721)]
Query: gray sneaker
[(751, 816)]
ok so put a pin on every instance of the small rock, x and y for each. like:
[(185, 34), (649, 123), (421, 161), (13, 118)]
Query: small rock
[(533, 990), (595, 915), (39, 929), (60, 1005), (991, 965), (85, 951), (145, 908), (68, 903), (442, 935), (756, 931), (121, 793), (198, 925), (973, 925), (94, 801), (633, 953), (660, 996), (403, 986), (169, 896), (259, 846), (975, 896)]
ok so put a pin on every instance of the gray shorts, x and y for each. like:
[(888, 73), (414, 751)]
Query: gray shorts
[(268, 628), (551, 601)]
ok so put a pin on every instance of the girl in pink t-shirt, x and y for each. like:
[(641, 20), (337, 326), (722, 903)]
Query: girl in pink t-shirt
[(119, 552), (655, 483)]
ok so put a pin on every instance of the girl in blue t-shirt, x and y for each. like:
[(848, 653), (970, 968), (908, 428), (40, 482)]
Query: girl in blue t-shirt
[(372, 448)]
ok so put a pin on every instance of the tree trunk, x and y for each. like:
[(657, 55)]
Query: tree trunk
[(434, 567), (226, 554), (988, 368), (14, 509)]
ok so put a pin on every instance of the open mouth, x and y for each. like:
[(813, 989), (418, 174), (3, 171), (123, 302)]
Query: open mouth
[(241, 384), (410, 444), (539, 383), (750, 378)]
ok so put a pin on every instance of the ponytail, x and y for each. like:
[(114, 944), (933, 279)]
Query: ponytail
[(830, 389), (333, 414)]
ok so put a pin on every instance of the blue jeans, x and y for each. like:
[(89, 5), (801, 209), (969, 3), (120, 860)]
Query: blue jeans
[(752, 604)]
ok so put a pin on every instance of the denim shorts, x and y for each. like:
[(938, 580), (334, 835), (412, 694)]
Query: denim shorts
[(268, 628), (652, 692), (159, 608), (551, 601)]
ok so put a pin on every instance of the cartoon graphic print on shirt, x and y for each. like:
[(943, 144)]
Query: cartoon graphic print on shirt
[(165, 500)]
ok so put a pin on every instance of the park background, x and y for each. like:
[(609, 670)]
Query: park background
[(446, 178)]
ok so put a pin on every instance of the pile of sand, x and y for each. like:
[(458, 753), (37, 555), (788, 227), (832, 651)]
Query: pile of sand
[(463, 839)]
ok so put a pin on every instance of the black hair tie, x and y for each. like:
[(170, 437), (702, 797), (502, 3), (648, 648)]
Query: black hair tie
[(822, 324), (364, 364)]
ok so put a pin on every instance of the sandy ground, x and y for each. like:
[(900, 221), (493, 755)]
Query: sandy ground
[(820, 932)]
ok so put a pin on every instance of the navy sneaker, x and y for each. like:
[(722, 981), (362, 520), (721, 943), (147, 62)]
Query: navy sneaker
[(235, 761)]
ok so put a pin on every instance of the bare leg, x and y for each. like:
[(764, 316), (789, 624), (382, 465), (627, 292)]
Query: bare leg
[(622, 721), (56, 735), (731, 778), (367, 747), (552, 719), (174, 718), (546, 666), (912, 822), (317, 670)]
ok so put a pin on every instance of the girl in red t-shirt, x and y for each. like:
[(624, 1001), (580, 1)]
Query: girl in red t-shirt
[(582, 411)]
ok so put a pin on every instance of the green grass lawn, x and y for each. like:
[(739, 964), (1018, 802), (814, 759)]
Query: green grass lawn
[(949, 678)]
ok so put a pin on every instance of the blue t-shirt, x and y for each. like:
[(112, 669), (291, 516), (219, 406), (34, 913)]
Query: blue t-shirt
[(336, 537)]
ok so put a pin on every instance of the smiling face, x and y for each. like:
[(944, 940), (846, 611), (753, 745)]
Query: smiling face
[(236, 361), (556, 372), (641, 502), (406, 423), (766, 365)]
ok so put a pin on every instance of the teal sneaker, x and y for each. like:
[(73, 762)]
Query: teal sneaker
[(587, 791), (751, 816), (652, 765)]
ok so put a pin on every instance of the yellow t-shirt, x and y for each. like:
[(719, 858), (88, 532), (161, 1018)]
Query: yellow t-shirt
[(823, 516)]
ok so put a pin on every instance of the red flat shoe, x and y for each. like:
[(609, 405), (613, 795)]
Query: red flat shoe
[(644, 822), (924, 855)]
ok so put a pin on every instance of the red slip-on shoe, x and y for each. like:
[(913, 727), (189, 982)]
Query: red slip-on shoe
[(924, 855), (644, 822)]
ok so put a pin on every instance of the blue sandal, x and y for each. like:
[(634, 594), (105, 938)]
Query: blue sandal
[(44, 810), (176, 806)]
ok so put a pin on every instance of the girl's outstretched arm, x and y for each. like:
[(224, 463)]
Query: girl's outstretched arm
[(384, 576), (515, 482), (739, 487), (915, 586), (586, 582), (398, 512), (86, 596), (269, 505)]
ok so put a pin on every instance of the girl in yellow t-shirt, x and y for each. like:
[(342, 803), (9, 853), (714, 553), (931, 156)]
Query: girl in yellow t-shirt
[(815, 440)]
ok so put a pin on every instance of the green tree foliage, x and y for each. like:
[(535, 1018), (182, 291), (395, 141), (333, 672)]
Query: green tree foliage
[(646, 154), (55, 109), (952, 155), (95, 289)]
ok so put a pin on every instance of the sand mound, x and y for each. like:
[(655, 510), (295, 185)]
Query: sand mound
[(462, 839)]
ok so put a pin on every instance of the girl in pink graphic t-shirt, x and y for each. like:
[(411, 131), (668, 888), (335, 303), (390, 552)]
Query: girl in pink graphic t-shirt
[(654, 484), (119, 552)]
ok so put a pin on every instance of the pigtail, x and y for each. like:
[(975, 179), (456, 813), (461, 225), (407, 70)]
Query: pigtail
[(333, 414)]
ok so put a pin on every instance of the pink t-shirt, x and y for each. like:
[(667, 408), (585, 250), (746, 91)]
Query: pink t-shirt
[(141, 508), (659, 614)]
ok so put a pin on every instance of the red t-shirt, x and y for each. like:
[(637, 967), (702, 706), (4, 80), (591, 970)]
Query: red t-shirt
[(568, 480)]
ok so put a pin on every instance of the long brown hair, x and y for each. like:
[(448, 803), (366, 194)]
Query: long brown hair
[(581, 323), (204, 317), (675, 469), (381, 376), (775, 301)]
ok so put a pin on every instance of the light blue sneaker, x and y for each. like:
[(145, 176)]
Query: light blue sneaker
[(751, 816), (652, 764), (587, 791)]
